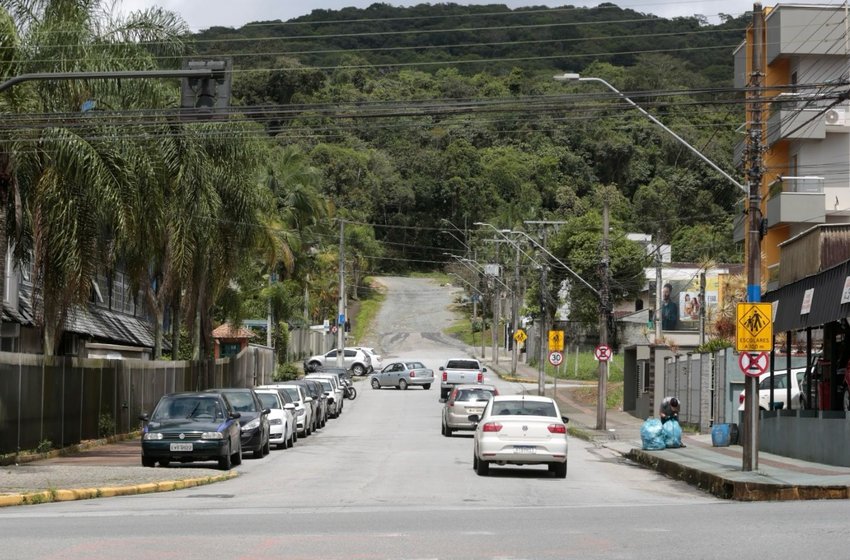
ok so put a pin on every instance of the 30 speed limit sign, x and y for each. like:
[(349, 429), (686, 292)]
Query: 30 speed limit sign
[(555, 358)]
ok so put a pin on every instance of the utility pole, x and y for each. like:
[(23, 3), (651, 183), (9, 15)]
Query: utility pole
[(544, 315), (754, 178), (340, 324), (515, 314), (602, 399), (659, 286)]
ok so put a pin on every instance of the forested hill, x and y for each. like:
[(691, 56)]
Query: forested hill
[(490, 38)]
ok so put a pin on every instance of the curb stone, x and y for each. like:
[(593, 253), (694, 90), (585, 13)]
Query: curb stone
[(31, 498)]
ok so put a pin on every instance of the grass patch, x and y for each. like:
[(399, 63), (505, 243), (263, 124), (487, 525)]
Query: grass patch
[(588, 395), (368, 308), (461, 329), (588, 367)]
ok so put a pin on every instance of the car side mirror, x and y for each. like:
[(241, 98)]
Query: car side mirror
[(267, 411), (442, 368), (308, 400), (484, 370), (565, 419), (144, 417), (236, 415), (289, 406), (474, 418)]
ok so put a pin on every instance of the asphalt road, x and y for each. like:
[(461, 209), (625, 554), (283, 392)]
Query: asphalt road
[(381, 482)]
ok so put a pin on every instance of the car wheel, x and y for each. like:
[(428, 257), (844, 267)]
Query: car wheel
[(376, 384), (474, 462), (258, 452), (426, 386), (267, 448), (313, 366), (358, 369), (449, 431), (443, 428), (482, 468), (443, 394), (558, 469), (402, 384), (164, 462), (148, 461), (224, 462), (236, 458)]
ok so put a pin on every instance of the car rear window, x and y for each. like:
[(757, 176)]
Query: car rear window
[(524, 408), (462, 364), (269, 400), (473, 395), (415, 365)]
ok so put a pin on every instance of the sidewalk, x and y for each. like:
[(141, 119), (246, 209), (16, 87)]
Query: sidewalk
[(717, 470)]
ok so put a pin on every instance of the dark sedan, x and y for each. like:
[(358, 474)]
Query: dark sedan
[(188, 427), (256, 429)]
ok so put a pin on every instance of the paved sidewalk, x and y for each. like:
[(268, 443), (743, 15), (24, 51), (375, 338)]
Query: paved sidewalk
[(717, 470)]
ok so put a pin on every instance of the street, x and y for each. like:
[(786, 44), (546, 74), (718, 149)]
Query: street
[(381, 482)]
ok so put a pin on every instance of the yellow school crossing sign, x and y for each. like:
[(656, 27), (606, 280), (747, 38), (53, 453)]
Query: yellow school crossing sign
[(754, 327), (520, 336), (556, 341)]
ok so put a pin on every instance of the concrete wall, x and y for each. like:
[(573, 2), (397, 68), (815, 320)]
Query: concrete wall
[(809, 435)]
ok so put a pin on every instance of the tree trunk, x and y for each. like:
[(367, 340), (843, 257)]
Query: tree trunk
[(157, 332), (175, 324)]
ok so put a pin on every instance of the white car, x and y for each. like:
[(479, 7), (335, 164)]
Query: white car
[(303, 410), (780, 389), (377, 362), (282, 426), (354, 359), (334, 392), (520, 430)]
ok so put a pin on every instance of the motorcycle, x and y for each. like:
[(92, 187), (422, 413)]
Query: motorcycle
[(349, 392)]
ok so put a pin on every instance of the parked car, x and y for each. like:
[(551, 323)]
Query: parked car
[(520, 430), (780, 389), (332, 391), (254, 418), (459, 371), (281, 423), (189, 427), (315, 392), (377, 362), (463, 401), (304, 409), (403, 375), (342, 373), (354, 359)]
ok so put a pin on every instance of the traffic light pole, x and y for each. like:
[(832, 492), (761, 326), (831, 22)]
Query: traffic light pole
[(109, 75)]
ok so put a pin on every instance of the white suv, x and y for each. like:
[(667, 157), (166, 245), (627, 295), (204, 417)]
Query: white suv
[(354, 359)]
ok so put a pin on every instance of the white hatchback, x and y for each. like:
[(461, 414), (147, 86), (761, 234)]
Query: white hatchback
[(780, 389), (520, 430)]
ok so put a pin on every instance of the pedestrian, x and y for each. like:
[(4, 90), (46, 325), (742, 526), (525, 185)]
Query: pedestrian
[(669, 409)]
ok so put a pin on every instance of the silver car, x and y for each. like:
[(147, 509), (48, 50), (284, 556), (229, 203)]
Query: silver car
[(402, 375), (463, 401)]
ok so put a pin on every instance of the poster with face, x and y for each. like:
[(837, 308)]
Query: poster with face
[(682, 300)]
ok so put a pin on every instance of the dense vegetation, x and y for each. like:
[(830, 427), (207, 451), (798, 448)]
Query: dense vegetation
[(411, 124)]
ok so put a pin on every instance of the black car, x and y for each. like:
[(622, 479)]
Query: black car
[(189, 427), (315, 391), (253, 418)]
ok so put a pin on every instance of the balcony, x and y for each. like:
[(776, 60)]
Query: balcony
[(796, 124), (795, 200)]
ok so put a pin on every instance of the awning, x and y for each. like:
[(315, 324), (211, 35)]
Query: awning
[(822, 293)]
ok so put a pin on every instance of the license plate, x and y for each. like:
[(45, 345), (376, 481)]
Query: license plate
[(524, 449), (181, 447), (475, 410)]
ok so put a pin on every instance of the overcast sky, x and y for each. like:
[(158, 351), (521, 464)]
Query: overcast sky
[(201, 14)]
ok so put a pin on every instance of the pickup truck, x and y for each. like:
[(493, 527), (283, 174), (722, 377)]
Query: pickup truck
[(459, 371)]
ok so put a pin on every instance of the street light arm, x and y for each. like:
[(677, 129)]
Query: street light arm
[(461, 278), (117, 74), (560, 262), (566, 77), (509, 240)]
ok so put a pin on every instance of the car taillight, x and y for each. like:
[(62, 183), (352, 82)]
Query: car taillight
[(412, 374), (557, 429), (445, 376), (491, 427), (480, 377)]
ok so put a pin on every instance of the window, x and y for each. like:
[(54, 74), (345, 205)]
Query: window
[(269, 400), (415, 365), (350, 353), (462, 364)]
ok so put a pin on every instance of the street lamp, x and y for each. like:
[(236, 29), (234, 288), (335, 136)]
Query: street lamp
[(572, 77)]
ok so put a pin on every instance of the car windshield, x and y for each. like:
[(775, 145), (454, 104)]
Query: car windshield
[(473, 395), (462, 364), (241, 401), (269, 400), (415, 365), (293, 393), (524, 408), (326, 384), (194, 407)]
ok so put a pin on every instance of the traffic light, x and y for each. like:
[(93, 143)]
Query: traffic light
[(201, 97)]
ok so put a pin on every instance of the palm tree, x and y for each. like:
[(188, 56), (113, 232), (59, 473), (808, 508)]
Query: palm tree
[(76, 172)]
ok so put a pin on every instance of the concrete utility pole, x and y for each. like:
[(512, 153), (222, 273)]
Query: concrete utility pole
[(755, 148), (544, 315), (659, 285), (340, 326), (602, 398), (515, 314)]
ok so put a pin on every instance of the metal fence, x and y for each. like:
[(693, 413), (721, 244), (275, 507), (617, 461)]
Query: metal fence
[(305, 342), (65, 400), (693, 379)]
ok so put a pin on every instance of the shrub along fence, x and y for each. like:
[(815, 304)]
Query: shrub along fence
[(65, 400)]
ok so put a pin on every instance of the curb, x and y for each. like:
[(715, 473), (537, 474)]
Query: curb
[(743, 491), (31, 498)]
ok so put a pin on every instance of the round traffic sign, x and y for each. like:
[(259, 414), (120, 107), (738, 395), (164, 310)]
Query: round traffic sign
[(753, 364), (555, 358), (603, 352), (334, 329)]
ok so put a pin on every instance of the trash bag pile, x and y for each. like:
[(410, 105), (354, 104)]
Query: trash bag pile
[(654, 435)]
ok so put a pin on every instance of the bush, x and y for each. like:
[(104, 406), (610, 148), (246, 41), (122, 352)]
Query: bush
[(286, 372), (714, 345), (44, 446), (105, 425)]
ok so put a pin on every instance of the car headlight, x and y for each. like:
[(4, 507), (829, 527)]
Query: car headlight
[(302, 412), (275, 421), (152, 435), (212, 435), (252, 425)]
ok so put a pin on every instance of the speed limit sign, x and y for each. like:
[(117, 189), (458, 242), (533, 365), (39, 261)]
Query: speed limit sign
[(555, 358)]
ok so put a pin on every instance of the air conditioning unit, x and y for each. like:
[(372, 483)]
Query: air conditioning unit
[(836, 117)]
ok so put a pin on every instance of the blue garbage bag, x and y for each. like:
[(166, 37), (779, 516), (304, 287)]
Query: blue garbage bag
[(672, 432), (651, 435)]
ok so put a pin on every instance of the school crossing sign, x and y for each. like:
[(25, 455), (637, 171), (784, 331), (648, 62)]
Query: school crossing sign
[(754, 327)]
